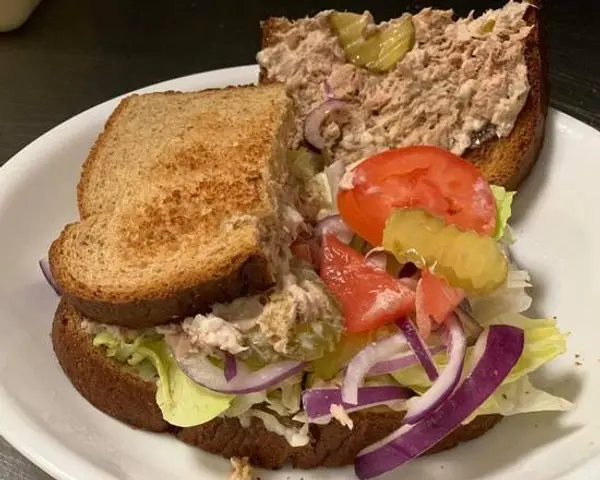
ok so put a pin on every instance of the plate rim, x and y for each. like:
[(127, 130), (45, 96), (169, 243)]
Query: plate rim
[(42, 449)]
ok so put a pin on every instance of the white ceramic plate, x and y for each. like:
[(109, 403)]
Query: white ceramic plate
[(44, 417)]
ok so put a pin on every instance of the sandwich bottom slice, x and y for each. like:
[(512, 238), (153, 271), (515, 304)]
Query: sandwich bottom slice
[(129, 395)]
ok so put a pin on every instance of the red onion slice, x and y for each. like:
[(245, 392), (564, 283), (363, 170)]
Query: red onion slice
[(335, 225), (377, 257), (231, 367), (317, 401), (419, 347), (364, 360), (334, 173), (314, 120), (446, 383), (328, 90), (45, 267), (199, 369), (400, 361), (502, 346)]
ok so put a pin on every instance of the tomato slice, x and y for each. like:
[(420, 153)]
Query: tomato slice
[(370, 298), (439, 298), (428, 178)]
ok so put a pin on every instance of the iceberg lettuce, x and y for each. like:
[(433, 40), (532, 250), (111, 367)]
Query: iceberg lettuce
[(503, 208), (182, 402), (543, 343)]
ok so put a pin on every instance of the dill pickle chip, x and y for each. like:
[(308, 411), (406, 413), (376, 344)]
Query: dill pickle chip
[(488, 27), (394, 42), (468, 260), (305, 164), (378, 52), (349, 29)]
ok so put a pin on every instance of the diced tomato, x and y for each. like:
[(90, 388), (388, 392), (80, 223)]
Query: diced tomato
[(435, 300), (422, 177), (422, 319), (369, 297)]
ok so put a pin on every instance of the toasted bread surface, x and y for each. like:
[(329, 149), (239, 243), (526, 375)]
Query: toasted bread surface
[(119, 392), (179, 206), (503, 161)]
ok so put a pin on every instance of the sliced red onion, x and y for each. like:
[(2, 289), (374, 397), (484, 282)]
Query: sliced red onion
[(400, 361), (364, 360), (202, 371), (377, 257), (328, 90), (45, 267), (314, 120), (502, 346), (317, 401), (230, 368), (442, 388), (336, 226), (409, 282), (334, 173), (419, 347)]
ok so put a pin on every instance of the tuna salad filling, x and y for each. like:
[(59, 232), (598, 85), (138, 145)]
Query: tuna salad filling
[(463, 81)]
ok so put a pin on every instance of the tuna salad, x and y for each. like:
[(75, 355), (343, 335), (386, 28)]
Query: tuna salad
[(298, 320), (463, 81)]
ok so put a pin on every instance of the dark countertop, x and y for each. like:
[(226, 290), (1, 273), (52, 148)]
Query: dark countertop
[(73, 54)]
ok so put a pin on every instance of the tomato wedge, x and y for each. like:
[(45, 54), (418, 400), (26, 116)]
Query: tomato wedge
[(428, 178), (370, 298), (439, 298)]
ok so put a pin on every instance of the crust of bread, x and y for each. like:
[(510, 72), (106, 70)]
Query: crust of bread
[(503, 161), (122, 394), (507, 161), (169, 170)]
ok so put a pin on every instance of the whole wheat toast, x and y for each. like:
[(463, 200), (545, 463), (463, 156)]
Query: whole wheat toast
[(179, 202), (121, 393), (503, 161)]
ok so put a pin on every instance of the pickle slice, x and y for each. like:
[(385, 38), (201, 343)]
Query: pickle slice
[(349, 28), (378, 52), (394, 42), (488, 27), (468, 260), (305, 164)]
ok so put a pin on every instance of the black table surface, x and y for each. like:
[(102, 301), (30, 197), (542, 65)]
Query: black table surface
[(73, 54)]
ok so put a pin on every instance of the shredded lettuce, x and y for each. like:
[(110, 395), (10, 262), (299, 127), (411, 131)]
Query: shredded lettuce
[(296, 436), (521, 396), (503, 208), (510, 298), (543, 343), (182, 402), (286, 398)]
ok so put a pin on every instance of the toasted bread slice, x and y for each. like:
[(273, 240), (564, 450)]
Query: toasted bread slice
[(121, 393), (179, 202), (503, 161)]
